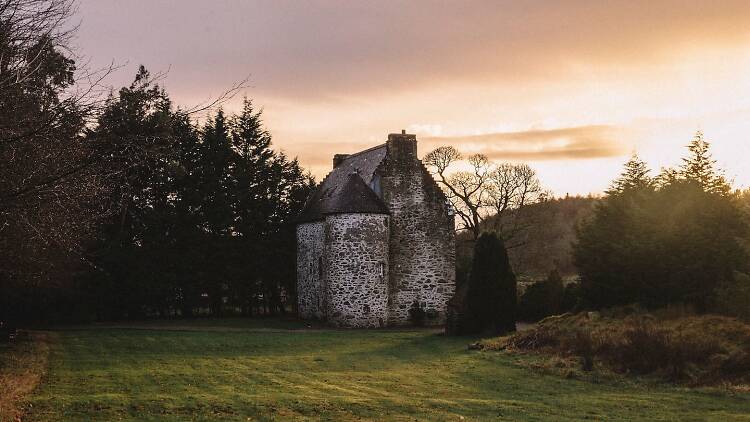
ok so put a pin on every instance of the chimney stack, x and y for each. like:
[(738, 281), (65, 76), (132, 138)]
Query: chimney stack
[(402, 147)]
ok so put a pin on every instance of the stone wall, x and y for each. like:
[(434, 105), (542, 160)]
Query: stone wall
[(422, 243), (310, 253), (356, 267)]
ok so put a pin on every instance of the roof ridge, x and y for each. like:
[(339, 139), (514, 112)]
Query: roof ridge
[(365, 150), (327, 197)]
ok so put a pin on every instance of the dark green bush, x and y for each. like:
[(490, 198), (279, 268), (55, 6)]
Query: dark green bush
[(543, 298), (417, 315), (733, 297), (490, 302)]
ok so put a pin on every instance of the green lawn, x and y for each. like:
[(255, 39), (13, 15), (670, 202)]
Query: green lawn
[(112, 373)]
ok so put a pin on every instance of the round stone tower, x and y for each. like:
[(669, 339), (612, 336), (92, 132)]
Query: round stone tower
[(356, 269)]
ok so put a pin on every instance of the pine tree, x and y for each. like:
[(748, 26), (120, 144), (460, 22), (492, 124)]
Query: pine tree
[(136, 130), (699, 167), (671, 244), (214, 177), (635, 176), (254, 173), (490, 304), (215, 209)]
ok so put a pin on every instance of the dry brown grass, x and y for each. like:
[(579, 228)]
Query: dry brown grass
[(697, 350), (23, 364)]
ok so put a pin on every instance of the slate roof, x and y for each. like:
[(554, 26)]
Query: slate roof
[(346, 188)]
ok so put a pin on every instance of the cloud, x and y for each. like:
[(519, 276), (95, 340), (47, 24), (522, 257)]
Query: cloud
[(319, 51), (582, 142), (571, 143)]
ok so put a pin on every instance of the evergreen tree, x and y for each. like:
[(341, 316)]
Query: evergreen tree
[(137, 130), (699, 167), (672, 243), (205, 217), (634, 177), (213, 175), (490, 303)]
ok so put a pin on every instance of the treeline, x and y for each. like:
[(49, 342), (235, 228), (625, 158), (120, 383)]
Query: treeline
[(204, 217), (675, 239), (123, 206)]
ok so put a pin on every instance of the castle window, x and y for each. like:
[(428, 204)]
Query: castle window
[(375, 185), (320, 267), (381, 268)]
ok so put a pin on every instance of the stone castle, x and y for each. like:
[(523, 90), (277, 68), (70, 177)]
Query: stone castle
[(375, 240)]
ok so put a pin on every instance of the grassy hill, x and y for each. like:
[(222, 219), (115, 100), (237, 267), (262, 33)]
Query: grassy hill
[(230, 372)]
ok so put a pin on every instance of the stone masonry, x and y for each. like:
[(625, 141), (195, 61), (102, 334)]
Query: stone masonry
[(375, 239)]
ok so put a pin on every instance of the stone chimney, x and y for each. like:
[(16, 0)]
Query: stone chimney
[(339, 158), (402, 147)]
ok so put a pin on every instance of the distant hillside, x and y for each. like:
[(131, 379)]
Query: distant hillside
[(547, 243)]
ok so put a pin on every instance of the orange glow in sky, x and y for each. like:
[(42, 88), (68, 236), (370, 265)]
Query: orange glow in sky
[(571, 87)]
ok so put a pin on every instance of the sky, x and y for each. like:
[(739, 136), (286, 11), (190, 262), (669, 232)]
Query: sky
[(570, 87)]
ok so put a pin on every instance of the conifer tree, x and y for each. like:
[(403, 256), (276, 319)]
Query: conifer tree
[(635, 176), (137, 130), (671, 243), (490, 304), (214, 177), (699, 167)]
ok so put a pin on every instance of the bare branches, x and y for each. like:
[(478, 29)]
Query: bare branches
[(48, 186), (28, 28), (441, 158), (485, 190), (222, 98)]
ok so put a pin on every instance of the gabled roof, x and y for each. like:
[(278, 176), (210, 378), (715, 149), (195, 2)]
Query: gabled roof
[(346, 189)]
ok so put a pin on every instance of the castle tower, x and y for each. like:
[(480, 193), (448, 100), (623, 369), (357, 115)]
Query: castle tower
[(375, 239)]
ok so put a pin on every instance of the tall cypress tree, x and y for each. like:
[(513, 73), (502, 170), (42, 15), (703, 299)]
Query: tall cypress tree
[(490, 304)]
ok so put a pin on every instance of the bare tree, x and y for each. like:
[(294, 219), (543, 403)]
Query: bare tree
[(512, 187), (42, 117), (485, 190)]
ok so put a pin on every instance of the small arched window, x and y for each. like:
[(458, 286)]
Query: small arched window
[(320, 267)]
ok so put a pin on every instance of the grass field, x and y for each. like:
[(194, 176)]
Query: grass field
[(205, 371)]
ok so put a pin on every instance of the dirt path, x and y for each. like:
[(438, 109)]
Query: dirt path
[(23, 365)]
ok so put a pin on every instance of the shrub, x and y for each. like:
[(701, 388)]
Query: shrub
[(490, 302), (542, 298), (704, 349), (417, 315), (733, 297), (571, 300), (645, 349)]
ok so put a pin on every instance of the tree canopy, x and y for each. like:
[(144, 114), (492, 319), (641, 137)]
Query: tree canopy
[(657, 244)]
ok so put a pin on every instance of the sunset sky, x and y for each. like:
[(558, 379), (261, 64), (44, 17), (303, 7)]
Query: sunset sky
[(571, 87)]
